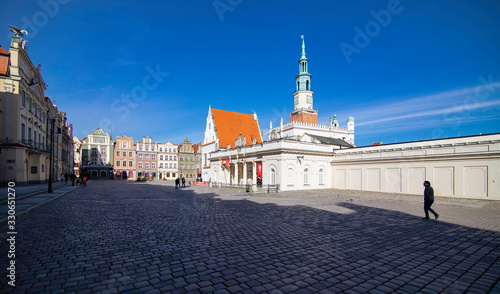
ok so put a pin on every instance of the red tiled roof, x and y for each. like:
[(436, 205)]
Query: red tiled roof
[(4, 61), (195, 147), (230, 124)]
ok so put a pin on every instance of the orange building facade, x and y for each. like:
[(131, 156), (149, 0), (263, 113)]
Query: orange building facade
[(124, 165)]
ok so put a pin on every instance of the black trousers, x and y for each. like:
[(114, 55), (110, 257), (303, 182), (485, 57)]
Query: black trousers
[(427, 208)]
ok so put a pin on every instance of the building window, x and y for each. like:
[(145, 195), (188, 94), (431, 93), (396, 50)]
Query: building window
[(170, 157), (130, 154), (175, 165), (273, 177), (101, 140), (29, 104), (140, 164), (130, 163), (147, 156), (161, 165), (175, 157), (124, 163), (153, 164), (103, 150), (117, 163), (94, 160), (96, 141), (169, 149), (117, 153), (306, 176), (161, 157), (153, 156), (23, 98), (170, 165), (321, 176), (182, 158), (192, 158), (124, 145), (146, 165), (161, 149), (182, 166), (140, 156), (36, 110), (94, 150), (103, 161)]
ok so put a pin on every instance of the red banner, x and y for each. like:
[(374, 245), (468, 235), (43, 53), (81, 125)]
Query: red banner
[(259, 170), (227, 162)]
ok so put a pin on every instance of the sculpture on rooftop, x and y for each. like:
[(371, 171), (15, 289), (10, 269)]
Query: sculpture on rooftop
[(17, 31)]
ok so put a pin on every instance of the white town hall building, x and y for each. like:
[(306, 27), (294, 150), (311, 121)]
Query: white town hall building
[(303, 155)]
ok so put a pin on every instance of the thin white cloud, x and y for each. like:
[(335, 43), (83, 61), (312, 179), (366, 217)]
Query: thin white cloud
[(424, 106), (425, 113)]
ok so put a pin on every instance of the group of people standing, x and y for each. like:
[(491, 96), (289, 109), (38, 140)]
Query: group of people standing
[(179, 181), (66, 177)]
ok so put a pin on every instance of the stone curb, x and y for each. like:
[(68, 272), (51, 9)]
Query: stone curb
[(36, 206), (33, 194)]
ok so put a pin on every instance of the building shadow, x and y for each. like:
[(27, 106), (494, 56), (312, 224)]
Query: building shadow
[(122, 235)]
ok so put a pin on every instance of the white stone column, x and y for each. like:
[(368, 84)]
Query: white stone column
[(254, 176), (245, 173), (236, 172)]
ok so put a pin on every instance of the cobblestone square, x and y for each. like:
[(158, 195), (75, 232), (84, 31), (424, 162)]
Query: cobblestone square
[(129, 237)]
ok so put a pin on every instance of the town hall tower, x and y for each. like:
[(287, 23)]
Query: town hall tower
[(303, 97)]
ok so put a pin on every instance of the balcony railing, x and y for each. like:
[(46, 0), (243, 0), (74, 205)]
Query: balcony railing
[(28, 144)]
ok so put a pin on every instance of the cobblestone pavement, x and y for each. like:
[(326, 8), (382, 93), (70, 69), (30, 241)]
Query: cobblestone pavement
[(129, 237)]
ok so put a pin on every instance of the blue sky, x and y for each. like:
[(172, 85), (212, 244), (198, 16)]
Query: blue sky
[(405, 70)]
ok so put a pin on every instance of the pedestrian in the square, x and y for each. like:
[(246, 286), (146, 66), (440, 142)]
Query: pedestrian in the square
[(183, 182), (428, 200), (84, 182), (66, 177), (73, 178), (177, 183)]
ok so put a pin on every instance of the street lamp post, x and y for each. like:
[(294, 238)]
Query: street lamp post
[(50, 190), (51, 156)]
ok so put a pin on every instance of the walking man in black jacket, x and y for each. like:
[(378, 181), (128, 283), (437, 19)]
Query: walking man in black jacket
[(428, 200)]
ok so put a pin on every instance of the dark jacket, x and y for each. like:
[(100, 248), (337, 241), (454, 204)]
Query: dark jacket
[(429, 194)]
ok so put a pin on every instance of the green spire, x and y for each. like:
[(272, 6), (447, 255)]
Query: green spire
[(303, 79), (303, 57)]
